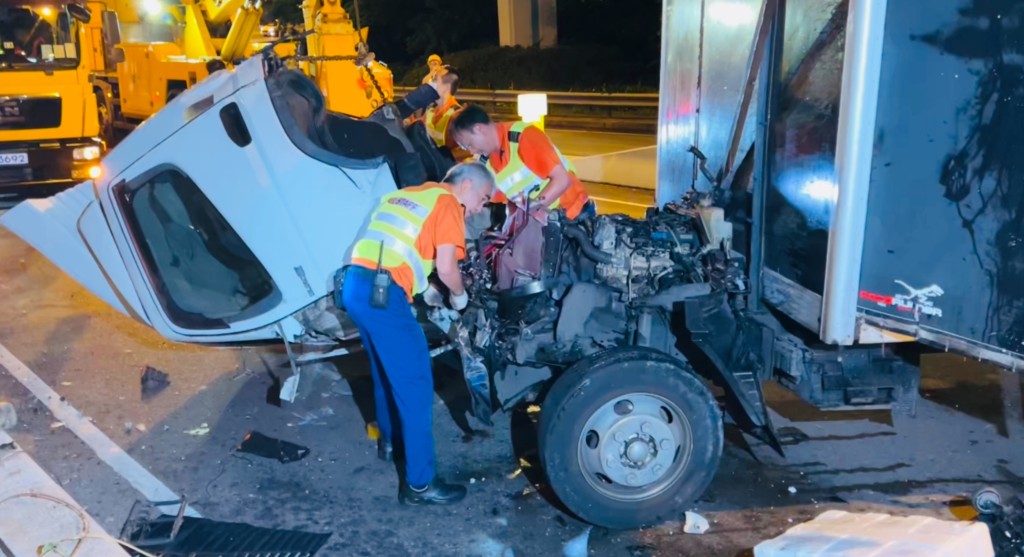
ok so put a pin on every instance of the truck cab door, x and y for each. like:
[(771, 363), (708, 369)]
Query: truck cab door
[(175, 216)]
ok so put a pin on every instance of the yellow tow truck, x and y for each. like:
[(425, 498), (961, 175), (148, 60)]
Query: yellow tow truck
[(49, 121), (74, 75)]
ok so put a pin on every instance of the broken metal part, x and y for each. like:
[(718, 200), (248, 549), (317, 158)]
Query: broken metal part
[(154, 382), (255, 443)]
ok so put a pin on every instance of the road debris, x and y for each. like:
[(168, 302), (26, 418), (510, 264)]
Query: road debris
[(315, 417), (154, 382), (695, 523), (486, 546), (56, 425), (339, 388), (834, 531), (792, 490), (258, 444), (8, 415), (577, 547), (203, 429)]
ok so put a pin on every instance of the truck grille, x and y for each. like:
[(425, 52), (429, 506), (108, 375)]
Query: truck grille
[(31, 113)]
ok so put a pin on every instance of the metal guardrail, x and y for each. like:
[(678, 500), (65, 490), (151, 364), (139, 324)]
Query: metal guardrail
[(631, 100)]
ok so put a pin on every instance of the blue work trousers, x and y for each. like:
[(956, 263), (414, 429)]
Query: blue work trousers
[(403, 386)]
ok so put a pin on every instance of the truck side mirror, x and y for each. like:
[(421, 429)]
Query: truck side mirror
[(79, 12)]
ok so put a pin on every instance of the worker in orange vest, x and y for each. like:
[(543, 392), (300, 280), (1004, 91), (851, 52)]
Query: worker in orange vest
[(438, 116), (530, 171), (412, 233)]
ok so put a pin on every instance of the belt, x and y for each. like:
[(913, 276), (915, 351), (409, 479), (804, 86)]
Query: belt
[(366, 271)]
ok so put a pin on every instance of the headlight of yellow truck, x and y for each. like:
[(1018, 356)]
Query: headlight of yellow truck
[(89, 153)]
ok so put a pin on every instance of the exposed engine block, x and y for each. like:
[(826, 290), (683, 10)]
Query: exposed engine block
[(644, 252)]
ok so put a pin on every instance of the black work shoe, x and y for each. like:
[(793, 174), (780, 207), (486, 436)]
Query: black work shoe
[(385, 451), (437, 493)]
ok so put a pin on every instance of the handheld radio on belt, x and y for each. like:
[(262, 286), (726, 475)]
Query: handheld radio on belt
[(381, 283)]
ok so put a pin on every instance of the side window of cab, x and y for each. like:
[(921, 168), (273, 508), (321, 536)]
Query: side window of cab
[(203, 274)]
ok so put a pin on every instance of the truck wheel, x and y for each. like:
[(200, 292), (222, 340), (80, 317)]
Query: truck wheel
[(629, 438)]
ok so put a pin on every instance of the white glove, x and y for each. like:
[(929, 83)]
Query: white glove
[(459, 302), (433, 297)]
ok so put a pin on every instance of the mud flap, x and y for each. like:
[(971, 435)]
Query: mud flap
[(733, 360)]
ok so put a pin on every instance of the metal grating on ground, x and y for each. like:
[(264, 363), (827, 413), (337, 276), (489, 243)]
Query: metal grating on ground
[(200, 537)]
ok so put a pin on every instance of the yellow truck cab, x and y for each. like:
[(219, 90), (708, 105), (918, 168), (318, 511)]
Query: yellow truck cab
[(49, 127)]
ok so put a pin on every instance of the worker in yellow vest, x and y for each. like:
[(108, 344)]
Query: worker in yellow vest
[(412, 232), (530, 170), (439, 115)]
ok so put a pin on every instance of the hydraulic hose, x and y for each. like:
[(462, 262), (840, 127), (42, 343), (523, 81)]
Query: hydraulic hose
[(589, 249)]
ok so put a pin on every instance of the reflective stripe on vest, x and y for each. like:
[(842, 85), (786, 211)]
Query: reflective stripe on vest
[(516, 178), (397, 223), (437, 130)]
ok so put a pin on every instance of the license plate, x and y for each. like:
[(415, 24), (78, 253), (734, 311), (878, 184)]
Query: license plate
[(12, 159)]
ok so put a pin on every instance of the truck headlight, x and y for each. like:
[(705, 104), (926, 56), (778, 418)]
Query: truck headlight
[(90, 153)]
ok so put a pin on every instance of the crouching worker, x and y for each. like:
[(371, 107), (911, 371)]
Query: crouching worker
[(412, 232)]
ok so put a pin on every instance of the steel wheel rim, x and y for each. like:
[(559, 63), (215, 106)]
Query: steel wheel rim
[(634, 446)]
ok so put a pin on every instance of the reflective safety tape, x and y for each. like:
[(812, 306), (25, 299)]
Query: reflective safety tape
[(407, 228), (407, 252)]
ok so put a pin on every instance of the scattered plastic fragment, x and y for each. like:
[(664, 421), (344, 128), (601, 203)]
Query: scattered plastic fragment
[(203, 429), (255, 443), (695, 523), (56, 425), (154, 382), (486, 546), (532, 409), (8, 415), (66, 383), (128, 427), (140, 427), (340, 388), (577, 547), (792, 490), (514, 474), (315, 417)]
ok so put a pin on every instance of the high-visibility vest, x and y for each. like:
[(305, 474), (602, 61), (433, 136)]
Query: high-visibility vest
[(437, 121), (397, 222), (516, 178)]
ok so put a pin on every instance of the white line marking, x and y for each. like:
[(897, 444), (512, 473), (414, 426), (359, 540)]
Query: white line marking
[(109, 452)]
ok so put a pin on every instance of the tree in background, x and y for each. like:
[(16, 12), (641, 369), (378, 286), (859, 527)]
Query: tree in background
[(633, 28), (618, 42)]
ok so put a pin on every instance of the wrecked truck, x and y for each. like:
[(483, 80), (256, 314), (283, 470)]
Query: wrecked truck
[(805, 231), (225, 217)]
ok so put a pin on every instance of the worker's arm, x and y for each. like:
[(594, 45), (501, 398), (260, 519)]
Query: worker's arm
[(541, 157), (448, 269), (559, 183), (421, 97)]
